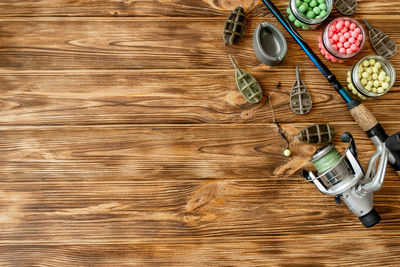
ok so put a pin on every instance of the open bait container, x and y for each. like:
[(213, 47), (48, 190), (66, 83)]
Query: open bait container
[(367, 86), (308, 14), (342, 39)]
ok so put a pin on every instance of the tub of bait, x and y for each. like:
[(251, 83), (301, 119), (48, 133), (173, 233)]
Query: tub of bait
[(308, 14), (371, 77), (341, 39)]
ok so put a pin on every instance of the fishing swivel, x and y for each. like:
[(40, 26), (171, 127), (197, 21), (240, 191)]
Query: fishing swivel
[(344, 177)]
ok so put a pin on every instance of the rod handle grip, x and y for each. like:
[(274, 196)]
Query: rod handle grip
[(363, 117)]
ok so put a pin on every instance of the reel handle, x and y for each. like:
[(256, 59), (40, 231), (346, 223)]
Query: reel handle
[(368, 123), (393, 142)]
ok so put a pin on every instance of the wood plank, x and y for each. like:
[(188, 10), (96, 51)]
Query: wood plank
[(145, 97), (238, 252), (158, 152), (157, 8), (100, 44), (188, 222)]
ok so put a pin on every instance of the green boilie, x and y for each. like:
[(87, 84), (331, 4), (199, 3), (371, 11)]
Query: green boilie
[(313, 3), (303, 8)]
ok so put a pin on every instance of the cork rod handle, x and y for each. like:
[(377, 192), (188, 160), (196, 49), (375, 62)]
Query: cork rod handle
[(363, 117)]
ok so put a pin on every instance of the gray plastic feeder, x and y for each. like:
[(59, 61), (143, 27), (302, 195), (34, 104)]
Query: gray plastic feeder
[(269, 44)]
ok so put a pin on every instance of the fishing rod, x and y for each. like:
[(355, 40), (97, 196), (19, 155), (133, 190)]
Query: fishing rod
[(360, 113)]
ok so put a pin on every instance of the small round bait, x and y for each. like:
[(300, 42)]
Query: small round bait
[(287, 152)]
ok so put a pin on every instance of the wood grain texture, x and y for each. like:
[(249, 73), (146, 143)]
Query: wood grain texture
[(159, 152), (120, 78), (121, 153), (124, 142), (151, 43), (144, 97), (68, 192), (236, 223), (163, 8)]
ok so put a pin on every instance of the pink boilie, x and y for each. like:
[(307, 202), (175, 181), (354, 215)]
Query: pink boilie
[(339, 25)]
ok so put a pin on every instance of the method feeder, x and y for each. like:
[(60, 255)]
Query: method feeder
[(360, 113)]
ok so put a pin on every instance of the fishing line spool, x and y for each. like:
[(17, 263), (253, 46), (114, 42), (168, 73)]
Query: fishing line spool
[(344, 177)]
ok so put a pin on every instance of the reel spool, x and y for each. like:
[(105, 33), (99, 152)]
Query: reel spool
[(344, 177), (333, 168)]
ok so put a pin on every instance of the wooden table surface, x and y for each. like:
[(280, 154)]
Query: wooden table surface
[(124, 141)]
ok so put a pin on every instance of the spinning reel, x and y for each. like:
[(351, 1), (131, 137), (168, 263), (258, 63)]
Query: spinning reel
[(344, 177)]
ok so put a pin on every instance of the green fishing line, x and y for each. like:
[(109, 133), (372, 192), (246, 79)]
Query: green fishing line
[(327, 161)]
